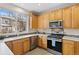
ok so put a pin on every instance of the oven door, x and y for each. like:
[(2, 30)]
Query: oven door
[(53, 44)]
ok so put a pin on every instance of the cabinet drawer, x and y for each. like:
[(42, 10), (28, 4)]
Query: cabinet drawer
[(68, 41)]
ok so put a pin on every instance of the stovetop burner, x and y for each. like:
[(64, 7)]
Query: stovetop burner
[(55, 36)]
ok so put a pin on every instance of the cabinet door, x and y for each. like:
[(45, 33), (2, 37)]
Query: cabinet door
[(75, 16), (34, 21), (46, 20), (44, 42), (58, 14), (77, 48), (39, 42), (67, 17), (9, 44), (17, 47), (40, 22), (26, 45), (51, 15), (68, 47)]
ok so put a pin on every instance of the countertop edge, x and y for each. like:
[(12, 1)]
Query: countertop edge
[(70, 38)]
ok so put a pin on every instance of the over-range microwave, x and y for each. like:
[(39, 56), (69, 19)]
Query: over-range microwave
[(56, 24)]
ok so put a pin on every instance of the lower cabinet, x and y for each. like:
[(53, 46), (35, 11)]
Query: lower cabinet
[(76, 48), (39, 41), (20, 46), (9, 44), (70, 47), (42, 42), (17, 47), (26, 45)]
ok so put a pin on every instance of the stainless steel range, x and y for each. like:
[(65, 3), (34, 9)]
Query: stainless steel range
[(54, 41)]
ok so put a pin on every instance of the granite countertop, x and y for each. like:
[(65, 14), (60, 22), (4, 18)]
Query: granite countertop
[(15, 37), (71, 38), (3, 47)]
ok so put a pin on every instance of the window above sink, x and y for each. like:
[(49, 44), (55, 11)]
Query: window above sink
[(12, 22)]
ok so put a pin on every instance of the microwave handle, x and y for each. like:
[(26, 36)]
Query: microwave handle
[(59, 23)]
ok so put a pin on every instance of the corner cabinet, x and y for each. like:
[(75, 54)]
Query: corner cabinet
[(70, 47), (42, 41)]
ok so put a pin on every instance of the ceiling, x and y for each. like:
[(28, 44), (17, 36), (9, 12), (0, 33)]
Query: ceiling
[(41, 7)]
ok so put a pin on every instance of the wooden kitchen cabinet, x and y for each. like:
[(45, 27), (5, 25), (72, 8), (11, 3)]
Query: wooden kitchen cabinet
[(58, 14), (71, 16), (20, 46), (34, 21), (77, 48), (52, 15), (42, 42), (46, 20), (75, 16), (9, 44), (43, 21), (67, 17), (17, 47), (39, 42), (68, 47), (40, 22), (26, 45)]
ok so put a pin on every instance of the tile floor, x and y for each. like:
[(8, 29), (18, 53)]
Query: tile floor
[(38, 51)]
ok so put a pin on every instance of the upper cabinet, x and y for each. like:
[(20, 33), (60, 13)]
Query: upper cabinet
[(71, 17), (58, 14), (75, 16), (40, 22), (34, 21), (51, 15), (67, 17), (43, 21), (46, 20)]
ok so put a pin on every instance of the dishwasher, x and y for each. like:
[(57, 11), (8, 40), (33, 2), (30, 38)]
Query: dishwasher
[(33, 42)]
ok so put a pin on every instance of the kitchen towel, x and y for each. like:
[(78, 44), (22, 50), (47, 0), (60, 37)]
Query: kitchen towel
[(53, 41)]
